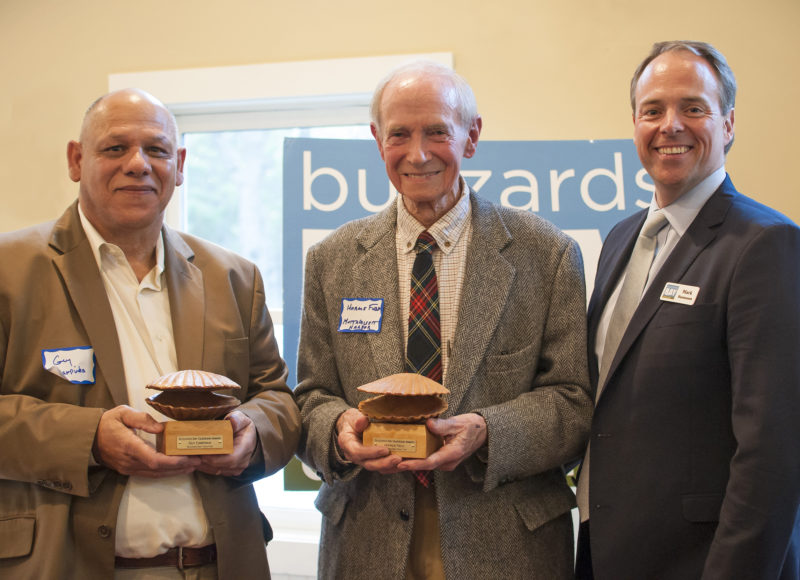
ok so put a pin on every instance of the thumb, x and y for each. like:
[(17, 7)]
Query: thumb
[(140, 420), (361, 423), (238, 421), (441, 427)]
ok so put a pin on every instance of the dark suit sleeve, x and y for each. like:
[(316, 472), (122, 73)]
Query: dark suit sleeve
[(759, 511)]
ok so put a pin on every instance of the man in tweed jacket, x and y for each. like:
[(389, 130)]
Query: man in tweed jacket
[(513, 348)]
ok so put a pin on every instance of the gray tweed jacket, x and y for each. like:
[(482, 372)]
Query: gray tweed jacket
[(518, 358)]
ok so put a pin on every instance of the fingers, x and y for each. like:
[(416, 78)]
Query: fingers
[(119, 447), (462, 434), (350, 426), (245, 439)]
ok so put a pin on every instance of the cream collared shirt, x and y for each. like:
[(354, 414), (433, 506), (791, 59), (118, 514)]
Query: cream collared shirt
[(154, 514)]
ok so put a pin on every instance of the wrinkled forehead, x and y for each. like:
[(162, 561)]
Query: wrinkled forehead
[(434, 96)]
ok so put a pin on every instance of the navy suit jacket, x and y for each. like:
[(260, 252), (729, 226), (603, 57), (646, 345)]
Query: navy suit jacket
[(695, 467)]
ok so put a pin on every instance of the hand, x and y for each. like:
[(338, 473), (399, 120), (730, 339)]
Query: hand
[(245, 438), (349, 428), (463, 435), (117, 446)]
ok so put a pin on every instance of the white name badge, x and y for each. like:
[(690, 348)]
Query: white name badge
[(361, 315), (680, 293), (73, 364)]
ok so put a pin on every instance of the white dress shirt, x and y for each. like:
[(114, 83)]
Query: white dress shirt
[(154, 514)]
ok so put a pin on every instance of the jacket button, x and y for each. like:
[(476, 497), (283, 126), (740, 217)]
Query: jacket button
[(104, 532), (404, 515)]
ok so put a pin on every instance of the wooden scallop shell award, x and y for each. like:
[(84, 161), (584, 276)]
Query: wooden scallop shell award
[(397, 415), (188, 397)]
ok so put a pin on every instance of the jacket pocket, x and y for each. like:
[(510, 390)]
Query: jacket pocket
[(331, 502), (16, 535), (702, 507), (538, 509)]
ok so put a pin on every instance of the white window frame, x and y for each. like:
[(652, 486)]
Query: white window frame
[(272, 95)]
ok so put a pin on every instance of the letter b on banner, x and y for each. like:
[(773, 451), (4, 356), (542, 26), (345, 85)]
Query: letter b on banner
[(309, 202)]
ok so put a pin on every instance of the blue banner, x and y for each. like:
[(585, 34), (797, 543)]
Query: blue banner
[(583, 187)]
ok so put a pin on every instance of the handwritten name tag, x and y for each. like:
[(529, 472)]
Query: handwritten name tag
[(361, 315), (680, 293), (73, 364)]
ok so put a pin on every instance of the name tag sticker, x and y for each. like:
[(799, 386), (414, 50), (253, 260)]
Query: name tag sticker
[(680, 293), (73, 364), (361, 315)]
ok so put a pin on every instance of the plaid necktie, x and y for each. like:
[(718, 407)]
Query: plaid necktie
[(424, 349)]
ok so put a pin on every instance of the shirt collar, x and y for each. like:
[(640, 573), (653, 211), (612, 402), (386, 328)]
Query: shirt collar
[(104, 251), (682, 211), (447, 229)]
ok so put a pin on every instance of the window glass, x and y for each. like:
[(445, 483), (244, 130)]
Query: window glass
[(233, 196)]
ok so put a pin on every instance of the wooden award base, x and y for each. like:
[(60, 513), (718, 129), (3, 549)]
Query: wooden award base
[(195, 438), (407, 440)]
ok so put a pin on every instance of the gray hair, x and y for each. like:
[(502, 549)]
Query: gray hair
[(466, 106)]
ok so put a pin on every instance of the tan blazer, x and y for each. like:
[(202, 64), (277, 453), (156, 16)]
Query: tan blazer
[(58, 513), (518, 358)]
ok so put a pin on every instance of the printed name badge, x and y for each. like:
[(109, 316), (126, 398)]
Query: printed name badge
[(361, 315), (74, 364), (680, 293)]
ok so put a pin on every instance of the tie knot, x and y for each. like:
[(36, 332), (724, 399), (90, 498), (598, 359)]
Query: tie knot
[(653, 224), (425, 243)]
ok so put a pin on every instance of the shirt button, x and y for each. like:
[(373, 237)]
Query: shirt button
[(104, 532), (404, 515)]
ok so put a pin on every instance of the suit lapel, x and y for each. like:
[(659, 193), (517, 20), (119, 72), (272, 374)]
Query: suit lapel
[(374, 275), (480, 310), (700, 234), (186, 300), (78, 268)]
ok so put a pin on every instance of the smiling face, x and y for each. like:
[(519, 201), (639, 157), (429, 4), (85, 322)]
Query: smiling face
[(680, 131), (422, 141), (128, 164)]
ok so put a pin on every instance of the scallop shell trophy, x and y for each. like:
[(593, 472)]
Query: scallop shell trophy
[(403, 398), (193, 379), (188, 395), (405, 384)]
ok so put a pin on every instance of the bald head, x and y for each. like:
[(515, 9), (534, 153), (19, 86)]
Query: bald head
[(136, 97)]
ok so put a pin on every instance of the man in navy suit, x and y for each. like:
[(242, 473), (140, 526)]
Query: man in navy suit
[(693, 467)]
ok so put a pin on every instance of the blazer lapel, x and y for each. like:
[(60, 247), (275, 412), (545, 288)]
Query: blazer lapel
[(78, 268), (186, 300), (700, 234), (375, 276), (480, 310)]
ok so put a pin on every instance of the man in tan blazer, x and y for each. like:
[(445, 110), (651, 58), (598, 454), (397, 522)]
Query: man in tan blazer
[(93, 306), (512, 344)]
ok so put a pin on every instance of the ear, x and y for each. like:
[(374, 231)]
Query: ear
[(74, 158), (472, 137), (179, 166), (377, 137), (727, 127)]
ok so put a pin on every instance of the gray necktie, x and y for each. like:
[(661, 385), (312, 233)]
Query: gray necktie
[(632, 288), (630, 294)]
